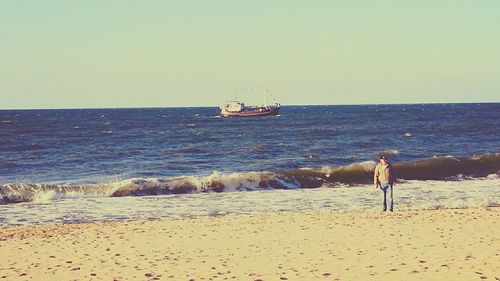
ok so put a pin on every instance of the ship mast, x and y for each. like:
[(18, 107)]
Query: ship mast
[(265, 98)]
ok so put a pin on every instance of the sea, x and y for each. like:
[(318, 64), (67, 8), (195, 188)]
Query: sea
[(87, 165)]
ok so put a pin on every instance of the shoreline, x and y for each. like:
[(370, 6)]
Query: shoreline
[(439, 244), (13, 228)]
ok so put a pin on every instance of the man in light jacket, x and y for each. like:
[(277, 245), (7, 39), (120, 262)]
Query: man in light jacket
[(384, 179)]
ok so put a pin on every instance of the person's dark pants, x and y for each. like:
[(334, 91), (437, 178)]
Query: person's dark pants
[(387, 189)]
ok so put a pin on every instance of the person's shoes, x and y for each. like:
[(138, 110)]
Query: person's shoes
[(391, 210), (384, 210)]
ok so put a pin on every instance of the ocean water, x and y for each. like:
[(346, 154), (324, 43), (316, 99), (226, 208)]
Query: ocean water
[(59, 165)]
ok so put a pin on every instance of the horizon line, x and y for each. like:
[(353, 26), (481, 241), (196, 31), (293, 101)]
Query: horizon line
[(211, 106)]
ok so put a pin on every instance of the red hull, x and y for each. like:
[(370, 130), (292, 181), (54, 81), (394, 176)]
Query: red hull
[(253, 113)]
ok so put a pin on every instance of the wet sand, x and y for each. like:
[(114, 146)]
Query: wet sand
[(459, 244)]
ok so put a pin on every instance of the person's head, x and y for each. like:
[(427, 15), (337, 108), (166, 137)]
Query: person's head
[(383, 159)]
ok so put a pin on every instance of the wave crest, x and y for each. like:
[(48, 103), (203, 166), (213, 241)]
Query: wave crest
[(436, 168)]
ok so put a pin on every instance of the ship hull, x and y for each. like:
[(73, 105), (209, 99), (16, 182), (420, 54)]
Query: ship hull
[(253, 113)]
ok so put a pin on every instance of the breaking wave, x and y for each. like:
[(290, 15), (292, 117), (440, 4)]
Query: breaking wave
[(435, 168)]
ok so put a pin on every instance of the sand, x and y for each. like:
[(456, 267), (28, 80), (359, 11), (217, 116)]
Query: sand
[(460, 244)]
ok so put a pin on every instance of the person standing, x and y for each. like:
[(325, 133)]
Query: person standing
[(384, 179)]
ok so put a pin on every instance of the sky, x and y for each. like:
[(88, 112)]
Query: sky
[(86, 54)]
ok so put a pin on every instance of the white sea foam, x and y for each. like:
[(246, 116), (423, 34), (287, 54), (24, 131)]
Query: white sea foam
[(391, 152), (415, 195)]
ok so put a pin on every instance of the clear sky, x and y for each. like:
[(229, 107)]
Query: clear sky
[(97, 53)]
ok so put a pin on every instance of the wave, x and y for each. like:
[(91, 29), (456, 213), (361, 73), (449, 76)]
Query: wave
[(187, 150), (435, 168)]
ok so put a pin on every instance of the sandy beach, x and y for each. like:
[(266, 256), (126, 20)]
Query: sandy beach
[(455, 244)]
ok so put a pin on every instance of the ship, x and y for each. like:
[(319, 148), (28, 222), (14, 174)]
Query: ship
[(236, 108)]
